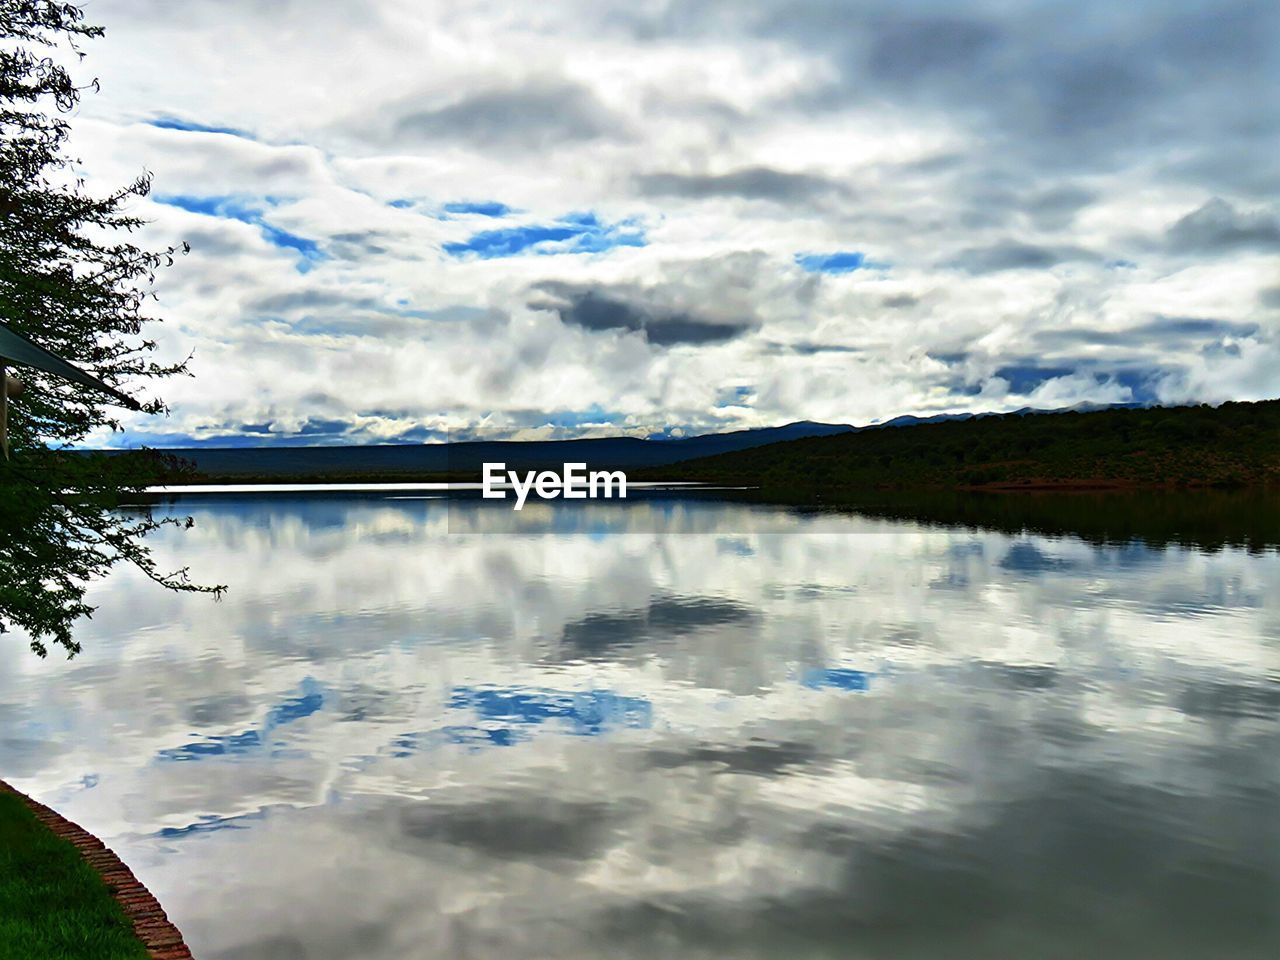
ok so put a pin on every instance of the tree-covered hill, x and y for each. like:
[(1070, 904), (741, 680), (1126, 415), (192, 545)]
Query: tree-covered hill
[(1235, 444)]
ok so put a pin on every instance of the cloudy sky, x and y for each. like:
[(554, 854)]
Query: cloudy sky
[(412, 220)]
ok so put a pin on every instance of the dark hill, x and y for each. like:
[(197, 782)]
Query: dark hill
[(418, 461), (1235, 444)]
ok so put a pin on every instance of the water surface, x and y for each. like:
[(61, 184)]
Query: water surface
[(673, 729)]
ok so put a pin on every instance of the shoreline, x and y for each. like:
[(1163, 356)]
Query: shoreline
[(153, 928), (1040, 485)]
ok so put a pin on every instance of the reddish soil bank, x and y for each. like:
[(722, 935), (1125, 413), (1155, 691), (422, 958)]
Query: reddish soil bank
[(161, 938)]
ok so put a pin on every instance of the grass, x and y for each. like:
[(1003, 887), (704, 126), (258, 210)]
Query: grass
[(53, 906)]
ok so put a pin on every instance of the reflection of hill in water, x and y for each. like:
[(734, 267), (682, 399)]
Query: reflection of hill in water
[(1208, 520), (1204, 519)]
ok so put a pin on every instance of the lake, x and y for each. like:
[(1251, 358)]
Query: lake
[(674, 727)]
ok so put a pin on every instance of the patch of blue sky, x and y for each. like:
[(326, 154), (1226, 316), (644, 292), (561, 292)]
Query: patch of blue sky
[(457, 313), (733, 546), (839, 261), (504, 717), (129, 439), (209, 823), (583, 713), (237, 436), (675, 432), (420, 434), (478, 208), (1027, 558), (594, 414), (483, 737), (315, 427), (465, 735), (454, 208), (246, 209), (250, 210), (310, 699), (734, 396), (309, 250), (233, 745), (405, 745), (858, 681), (1026, 378), (310, 429), (1142, 384), (192, 126), (572, 233)]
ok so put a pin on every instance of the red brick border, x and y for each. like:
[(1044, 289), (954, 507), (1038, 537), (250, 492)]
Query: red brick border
[(161, 938)]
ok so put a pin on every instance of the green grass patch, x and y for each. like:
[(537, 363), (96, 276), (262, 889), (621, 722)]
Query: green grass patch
[(53, 906)]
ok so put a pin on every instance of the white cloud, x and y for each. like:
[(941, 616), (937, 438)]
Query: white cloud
[(723, 136)]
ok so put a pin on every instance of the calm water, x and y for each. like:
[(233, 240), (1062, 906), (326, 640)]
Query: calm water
[(673, 730)]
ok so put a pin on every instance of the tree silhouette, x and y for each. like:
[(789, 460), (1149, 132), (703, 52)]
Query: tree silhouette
[(70, 281)]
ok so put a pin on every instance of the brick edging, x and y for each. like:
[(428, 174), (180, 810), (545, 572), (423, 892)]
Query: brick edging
[(161, 938)]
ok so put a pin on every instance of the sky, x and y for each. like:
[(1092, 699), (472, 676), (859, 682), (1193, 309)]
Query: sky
[(413, 221)]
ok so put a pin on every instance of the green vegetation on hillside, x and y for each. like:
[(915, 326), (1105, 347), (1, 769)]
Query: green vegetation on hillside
[(1234, 445), (53, 906)]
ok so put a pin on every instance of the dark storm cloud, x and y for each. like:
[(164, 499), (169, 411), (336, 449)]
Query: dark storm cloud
[(908, 52), (1163, 333), (1056, 207), (807, 348), (515, 828), (988, 192), (600, 634), (314, 298), (749, 183), (1230, 701), (623, 308), (1194, 328), (335, 312), (762, 758), (1218, 227), (537, 116), (1083, 85), (900, 301), (976, 882), (984, 882), (357, 244), (1028, 559), (218, 710), (1015, 255)]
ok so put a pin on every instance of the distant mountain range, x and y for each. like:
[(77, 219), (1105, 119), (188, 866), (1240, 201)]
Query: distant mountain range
[(908, 420), (403, 461), (393, 461)]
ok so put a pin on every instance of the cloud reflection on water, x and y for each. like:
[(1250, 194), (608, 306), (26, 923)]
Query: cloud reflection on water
[(766, 742)]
